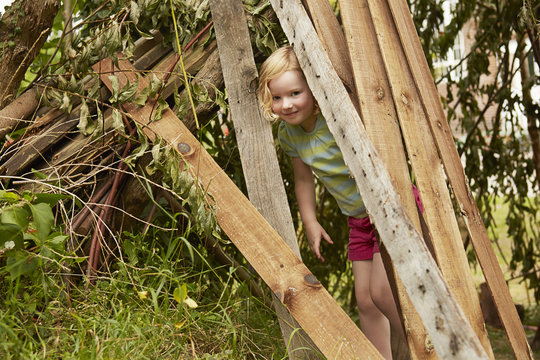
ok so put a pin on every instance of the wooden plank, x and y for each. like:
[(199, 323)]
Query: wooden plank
[(450, 332), (456, 176), (256, 146), (332, 331), (333, 40), (382, 127), (426, 164)]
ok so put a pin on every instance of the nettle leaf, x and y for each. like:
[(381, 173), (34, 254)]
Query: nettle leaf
[(16, 215), (43, 219)]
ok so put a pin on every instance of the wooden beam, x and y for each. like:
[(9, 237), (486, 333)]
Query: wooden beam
[(330, 328), (454, 170), (444, 320), (382, 127), (427, 168), (256, 146)]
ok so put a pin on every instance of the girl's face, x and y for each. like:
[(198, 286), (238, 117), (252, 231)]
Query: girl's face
[(292, 100)]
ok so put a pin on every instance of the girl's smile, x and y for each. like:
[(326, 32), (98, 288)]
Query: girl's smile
[(292, 100)]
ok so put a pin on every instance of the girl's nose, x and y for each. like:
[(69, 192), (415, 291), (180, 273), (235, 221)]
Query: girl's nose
[(287, 104)]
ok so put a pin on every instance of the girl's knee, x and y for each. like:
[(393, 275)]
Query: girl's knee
[(365, 303)]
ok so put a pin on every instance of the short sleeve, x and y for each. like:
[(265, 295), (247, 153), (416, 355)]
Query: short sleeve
[(285, 142)]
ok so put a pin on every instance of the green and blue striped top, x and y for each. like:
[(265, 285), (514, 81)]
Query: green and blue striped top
[(319, 150)]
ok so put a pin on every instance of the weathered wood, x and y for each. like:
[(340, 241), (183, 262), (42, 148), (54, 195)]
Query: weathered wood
[(381, 122), (456, 176), (444, 320), (256, 146), (332, 331), (428, 171), (333, 40)]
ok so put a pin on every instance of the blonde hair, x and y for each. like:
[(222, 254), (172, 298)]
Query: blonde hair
[(282, 60)]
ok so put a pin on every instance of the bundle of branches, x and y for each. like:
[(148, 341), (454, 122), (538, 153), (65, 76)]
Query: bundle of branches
[(76, 141)]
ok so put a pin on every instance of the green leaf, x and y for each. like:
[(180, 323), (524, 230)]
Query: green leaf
[(117, 121), (11, 236), (115, 88), (128, 92), (162, 105), (21, 264), (43, 219), (50, 199), (16, 215), (135, 12), (8, 196)]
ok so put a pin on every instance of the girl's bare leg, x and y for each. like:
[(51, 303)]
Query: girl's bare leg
[(373, 322), (382, 296)]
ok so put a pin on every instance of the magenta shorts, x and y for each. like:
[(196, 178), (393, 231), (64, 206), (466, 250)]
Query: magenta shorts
[(362, 239)]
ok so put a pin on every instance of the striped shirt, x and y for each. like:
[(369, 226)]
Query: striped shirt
[(319, 150)]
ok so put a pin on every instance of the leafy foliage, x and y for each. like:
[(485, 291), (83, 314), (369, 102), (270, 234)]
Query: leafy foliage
[(490, 112)]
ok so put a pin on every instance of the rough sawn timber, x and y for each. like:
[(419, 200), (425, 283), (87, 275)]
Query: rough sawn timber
[(256, 146), (382, 127), (456, 176), (330, 328), (450, 332), (427, 168)]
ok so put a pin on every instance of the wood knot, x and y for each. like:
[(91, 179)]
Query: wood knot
[(184, 149), (380, 93), (312, 281), (404, 99)]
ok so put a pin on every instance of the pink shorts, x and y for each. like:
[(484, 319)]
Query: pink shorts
[(362, 239), (362, 236)]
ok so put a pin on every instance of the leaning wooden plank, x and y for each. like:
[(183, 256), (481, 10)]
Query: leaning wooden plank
[(332, 39), (444, 320), (456, 176), (332, 331), (426, 165), (381, 122), (256, 146)]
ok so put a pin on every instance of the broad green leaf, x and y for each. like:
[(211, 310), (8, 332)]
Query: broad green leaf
[(11, 236), (16, 215), (51, 199), (21, 264), (43, 219)]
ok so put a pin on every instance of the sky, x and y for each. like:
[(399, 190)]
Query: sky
[(4, 3)]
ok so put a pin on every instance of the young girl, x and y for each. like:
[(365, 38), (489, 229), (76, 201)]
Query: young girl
[(284, 94)]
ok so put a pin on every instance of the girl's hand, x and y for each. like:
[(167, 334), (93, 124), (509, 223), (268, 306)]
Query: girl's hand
[(315, 233)]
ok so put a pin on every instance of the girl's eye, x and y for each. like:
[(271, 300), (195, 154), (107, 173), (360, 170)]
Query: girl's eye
[(275, 98), (295, 93)]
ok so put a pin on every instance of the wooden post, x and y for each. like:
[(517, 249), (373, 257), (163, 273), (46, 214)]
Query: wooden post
[(445, 321), (256, 145), (330, 328), (380, 119), (454, 171), (426, 165)]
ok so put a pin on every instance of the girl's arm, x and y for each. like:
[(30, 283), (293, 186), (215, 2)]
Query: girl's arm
[(304, 187)]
